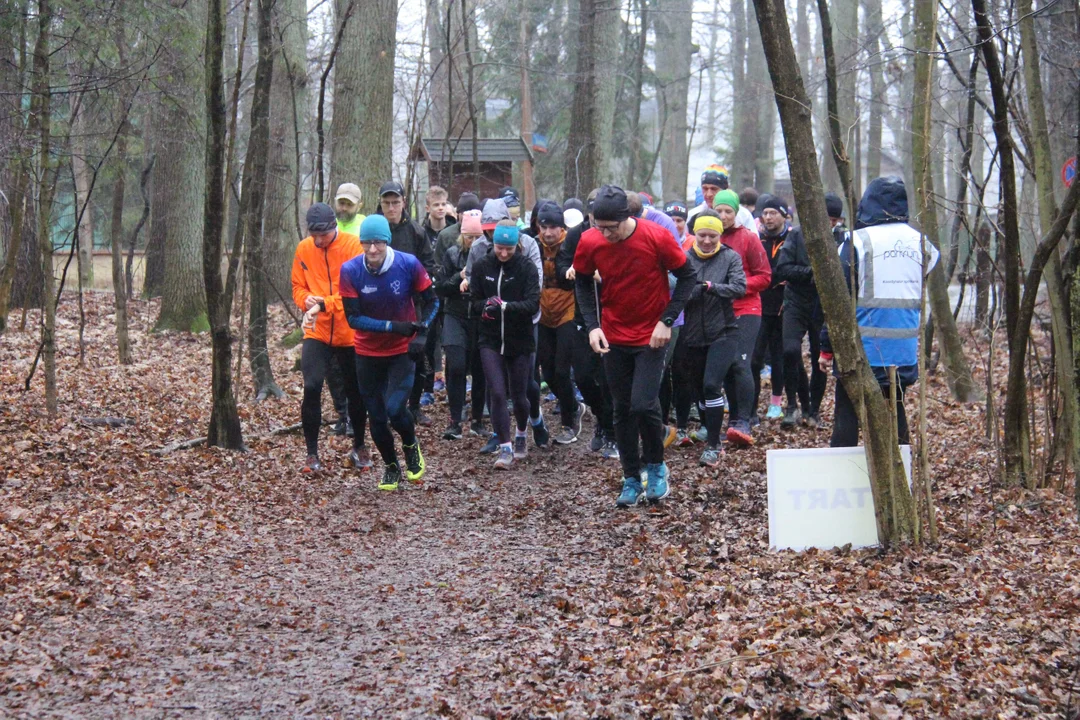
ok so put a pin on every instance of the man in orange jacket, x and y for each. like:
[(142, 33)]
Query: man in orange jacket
[(327, 336)]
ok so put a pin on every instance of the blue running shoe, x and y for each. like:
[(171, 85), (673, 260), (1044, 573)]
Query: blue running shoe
[(427, 399), (491, 446), (766, 372), (631, 492), (658, 488), (439, 385), (775, 412), (550, 397), (577, 394)]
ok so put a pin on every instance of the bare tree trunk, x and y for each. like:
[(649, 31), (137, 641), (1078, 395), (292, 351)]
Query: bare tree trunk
[(288, 111), (674, 53), (1068, 429), (1017, 449), (761, 107), (181, 177), (958, 371), (41, 113), (224, 430), (874, 29), (589, 143), (252, 201), (81, 171), (123, 345), (894, 507), (743, 132), (363, 122), (635, 100)]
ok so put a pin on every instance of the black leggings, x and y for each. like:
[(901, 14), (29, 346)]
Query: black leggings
[(462, 358), (497, 367), (633, 375), (845, 431), (555, 356), (425, 365), (316, 357), (738, 383), (797, 323), (706, 367), (592, 382), (770, 343), (684, 388), (385, 384)]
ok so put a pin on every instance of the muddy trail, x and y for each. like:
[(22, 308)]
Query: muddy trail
[(212, 584)]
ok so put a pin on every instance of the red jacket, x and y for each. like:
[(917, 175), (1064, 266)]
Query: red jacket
[(755, 265)]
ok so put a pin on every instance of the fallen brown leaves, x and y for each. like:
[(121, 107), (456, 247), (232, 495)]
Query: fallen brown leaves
[(222, 584)]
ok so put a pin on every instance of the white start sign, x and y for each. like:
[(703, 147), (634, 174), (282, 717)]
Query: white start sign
[(821, 498)]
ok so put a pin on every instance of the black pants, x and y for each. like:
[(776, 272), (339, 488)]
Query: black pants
[(739, 382), (462, 358), (633, 374), (555, 356), (666, 390), (845, 432), (316, 358), (684, 389), (797, 323), (425, 365), (508, 377), (592, 382), (707, 367), (385, 384), (770, 344)]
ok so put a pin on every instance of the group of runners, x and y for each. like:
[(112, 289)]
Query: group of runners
[(646, 316)]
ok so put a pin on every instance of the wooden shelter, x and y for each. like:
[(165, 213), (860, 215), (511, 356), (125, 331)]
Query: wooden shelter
[(450, 163)]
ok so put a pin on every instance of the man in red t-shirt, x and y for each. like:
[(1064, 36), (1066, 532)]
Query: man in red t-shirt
[(629, 324)]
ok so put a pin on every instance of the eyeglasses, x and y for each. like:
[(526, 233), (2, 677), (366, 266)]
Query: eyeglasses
[(376, 243), (608, 229)]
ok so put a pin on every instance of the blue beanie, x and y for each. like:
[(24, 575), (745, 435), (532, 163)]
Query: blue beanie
[(505, 235), (375, 227)]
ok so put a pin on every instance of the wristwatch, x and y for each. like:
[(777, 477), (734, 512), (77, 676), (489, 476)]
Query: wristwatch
[(668, 321)]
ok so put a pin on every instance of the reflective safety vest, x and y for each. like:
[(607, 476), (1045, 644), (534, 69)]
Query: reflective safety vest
[(889, 261)]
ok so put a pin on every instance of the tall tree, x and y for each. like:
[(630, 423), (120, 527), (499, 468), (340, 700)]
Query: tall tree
[(289, 116), (588, 150), (224, 430), (180, 174), (957, 369), (116, 230), (674, 53), (41, 112), (1068, 429), (252, 200), (1017, 449), (363, 122), (894, 507), (875, 28)]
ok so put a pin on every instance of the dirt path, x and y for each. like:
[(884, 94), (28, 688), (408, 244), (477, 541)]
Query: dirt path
[(208, 584)]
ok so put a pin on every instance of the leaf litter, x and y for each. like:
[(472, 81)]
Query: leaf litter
[(220, 584)]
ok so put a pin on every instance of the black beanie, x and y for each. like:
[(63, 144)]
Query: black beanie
[(550, 213), (468, 201), (611, 204), (772, 202), (676, 208), (834, 205), (320, 218)]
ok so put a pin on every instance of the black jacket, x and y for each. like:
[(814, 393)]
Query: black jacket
[(709, 314), (883, 201), (516, 281), (433, 235), (565, 260), (448, 282), (772, 300), (409, 236), (793, 267)]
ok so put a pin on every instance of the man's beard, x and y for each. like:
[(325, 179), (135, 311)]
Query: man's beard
[(345, 217)]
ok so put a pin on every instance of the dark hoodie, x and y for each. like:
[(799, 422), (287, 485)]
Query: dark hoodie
[(408, 236), (885, 201)]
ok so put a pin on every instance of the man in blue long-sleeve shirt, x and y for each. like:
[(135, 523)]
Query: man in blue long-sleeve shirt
[(380, 291)]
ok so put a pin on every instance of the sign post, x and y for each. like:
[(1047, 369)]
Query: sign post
[(821, 498), (1068, 171)]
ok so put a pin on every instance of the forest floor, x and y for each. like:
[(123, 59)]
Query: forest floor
[(204, 583)]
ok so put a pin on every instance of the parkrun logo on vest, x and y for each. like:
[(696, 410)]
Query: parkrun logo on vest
[(900, 252)]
